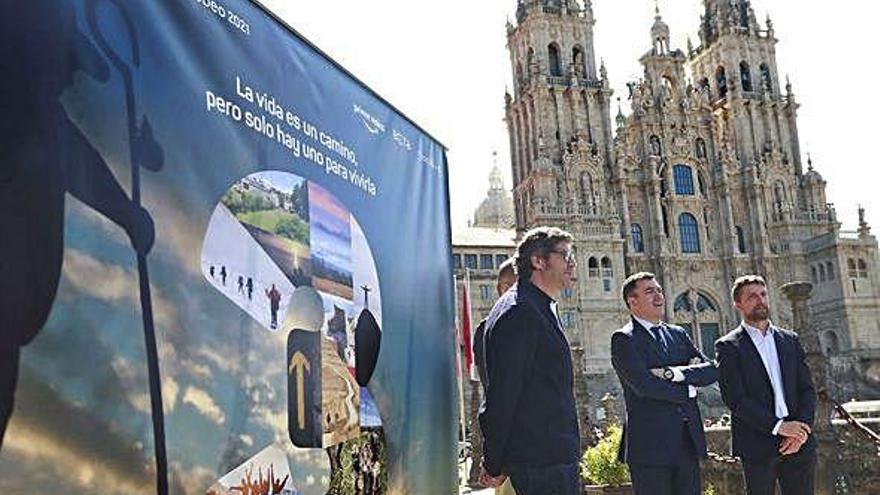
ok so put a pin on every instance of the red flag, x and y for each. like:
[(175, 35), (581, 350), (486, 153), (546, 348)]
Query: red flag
[(466, 326)]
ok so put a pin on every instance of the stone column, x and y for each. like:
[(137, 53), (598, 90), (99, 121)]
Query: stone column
[(609, 404), (828, 468), (798, 293)]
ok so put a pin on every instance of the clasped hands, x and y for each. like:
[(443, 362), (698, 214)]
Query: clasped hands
[(794, 435)]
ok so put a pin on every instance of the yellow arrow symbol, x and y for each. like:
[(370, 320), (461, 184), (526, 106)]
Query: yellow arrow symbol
[(299, 364)]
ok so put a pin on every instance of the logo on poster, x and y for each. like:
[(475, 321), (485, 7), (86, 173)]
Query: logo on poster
[(372, 124)]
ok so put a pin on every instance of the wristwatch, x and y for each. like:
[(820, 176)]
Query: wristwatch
[(668, 374)]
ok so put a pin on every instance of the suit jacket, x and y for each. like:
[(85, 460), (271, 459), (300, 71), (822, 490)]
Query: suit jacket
[(528, 417), (746, 389), (657, 408)]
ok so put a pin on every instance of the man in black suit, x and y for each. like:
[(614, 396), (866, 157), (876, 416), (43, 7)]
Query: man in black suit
[(659, 369), (529, 420), (506, 280), (767, 385)]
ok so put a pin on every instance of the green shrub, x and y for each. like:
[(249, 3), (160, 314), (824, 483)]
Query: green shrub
[(599, 464)]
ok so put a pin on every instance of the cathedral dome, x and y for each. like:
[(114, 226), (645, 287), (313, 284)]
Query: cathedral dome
[(660, 29), (496, 210), (812, 176), (660, 34)]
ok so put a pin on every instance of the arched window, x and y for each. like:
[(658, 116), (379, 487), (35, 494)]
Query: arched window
[(814, 277), (656, 150), (638, 243), (682, 303), (553, 54), (684, 180), (577, 59), (607, 271), (740, 240), (703, 303), (851, 265), (689, 233), (700, 148), (821, 272), (721, 81), (701, 322), (832, 343), (829, 267), (530, 60), (863, 269), (745, 76), (593, 267), (766, 79)]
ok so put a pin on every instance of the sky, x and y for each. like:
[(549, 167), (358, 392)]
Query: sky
[(445, 65)]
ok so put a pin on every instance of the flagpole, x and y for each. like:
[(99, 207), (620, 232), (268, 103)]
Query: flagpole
[(469, 345), (459, 380)]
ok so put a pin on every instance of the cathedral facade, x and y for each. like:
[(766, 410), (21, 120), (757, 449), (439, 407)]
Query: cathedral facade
[(702, 182)]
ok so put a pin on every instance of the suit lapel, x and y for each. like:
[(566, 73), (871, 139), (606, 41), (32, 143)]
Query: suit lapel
[(751, 352)]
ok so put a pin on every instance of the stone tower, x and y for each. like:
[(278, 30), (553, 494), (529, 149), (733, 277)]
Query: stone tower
[(558, 119), (756, 127)]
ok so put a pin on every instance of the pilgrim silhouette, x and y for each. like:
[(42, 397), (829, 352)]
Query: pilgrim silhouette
[(44, 156)]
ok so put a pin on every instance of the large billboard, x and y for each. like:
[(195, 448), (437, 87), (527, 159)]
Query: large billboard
[(221, 258)]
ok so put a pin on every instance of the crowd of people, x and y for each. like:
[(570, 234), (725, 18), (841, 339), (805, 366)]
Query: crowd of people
[(529, 422)]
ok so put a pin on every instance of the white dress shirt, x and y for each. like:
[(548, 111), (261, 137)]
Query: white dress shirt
[(677, 374), (766, 346)]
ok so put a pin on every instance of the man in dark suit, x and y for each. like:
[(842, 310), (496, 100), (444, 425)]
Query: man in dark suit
[(659, 369), (506, 280), (529, 420), (767, 385)]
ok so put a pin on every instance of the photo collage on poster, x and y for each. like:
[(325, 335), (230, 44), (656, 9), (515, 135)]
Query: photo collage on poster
[(274, 233)]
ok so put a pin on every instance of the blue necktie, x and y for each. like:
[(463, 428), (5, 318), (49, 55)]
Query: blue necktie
[(657, 332)]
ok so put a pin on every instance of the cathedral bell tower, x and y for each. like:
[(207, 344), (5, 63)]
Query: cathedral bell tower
[(558, 118), (559, 125), (755, 122)]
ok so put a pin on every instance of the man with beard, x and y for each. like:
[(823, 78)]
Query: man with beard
[(767, 385)]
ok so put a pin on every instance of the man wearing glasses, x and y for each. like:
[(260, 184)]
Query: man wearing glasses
[(529, 421)]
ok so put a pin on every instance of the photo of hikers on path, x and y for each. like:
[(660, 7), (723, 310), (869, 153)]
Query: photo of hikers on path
[(256, 250)]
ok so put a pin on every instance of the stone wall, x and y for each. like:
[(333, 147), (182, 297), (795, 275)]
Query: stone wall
[(848, 463)]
